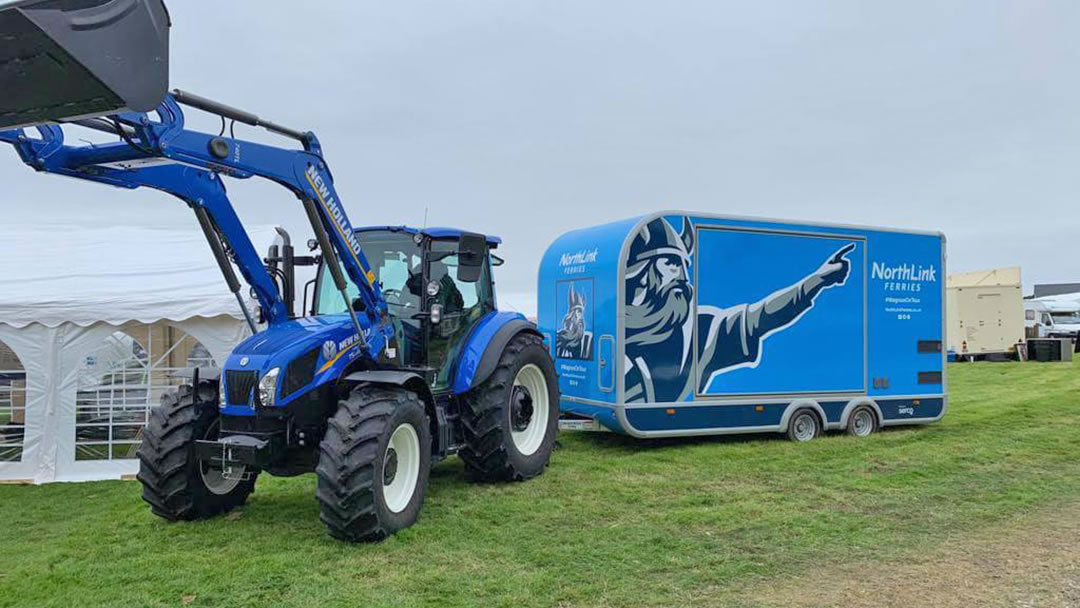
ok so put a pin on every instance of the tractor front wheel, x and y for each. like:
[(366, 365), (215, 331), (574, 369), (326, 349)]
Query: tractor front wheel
[(511, 419), (373, 464), (176, 484)]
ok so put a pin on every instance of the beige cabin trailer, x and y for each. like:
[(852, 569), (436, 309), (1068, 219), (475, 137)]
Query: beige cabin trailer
[(985, 312)]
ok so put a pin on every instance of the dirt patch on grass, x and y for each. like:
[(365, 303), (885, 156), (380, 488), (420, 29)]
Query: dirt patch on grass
[(1026, 562)]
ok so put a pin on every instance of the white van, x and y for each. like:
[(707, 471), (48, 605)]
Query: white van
[(1053, 316)]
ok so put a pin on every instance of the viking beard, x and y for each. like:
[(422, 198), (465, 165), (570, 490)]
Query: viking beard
[(570, 337), (662, 315)]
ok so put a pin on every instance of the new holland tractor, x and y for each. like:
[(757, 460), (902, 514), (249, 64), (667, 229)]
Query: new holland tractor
[(402, 357)]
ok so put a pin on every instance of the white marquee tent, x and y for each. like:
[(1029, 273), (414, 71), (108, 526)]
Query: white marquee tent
[(94, 323)]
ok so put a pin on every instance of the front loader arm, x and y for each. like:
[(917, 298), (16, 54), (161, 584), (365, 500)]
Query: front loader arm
[(161, 154), (202, 190)]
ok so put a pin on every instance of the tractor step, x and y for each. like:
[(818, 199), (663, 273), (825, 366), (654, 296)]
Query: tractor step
[(581, 424)]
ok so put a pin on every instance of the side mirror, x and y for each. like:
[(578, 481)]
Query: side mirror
[(472, 253)]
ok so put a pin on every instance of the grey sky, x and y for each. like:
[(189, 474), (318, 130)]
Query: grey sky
[(526, 119)]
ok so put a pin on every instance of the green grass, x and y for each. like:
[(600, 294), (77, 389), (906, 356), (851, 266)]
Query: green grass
[(613, 521)]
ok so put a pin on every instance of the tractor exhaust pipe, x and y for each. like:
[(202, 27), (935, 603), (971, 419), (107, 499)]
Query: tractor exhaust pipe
[(65, 60)]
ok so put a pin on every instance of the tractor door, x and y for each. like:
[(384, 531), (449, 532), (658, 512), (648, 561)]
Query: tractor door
[(460, 305)]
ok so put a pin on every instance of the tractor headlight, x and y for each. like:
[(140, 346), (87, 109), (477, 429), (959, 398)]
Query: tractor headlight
[(268, 387)]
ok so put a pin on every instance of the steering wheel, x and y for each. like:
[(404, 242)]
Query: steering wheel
[(394, 296)]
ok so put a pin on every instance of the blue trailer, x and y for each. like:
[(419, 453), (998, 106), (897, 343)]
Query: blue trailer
[(678, 323)]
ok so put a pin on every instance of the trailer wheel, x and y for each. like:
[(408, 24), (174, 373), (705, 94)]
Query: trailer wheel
[(373, 464), (804, 425), (862, 422), (510, 421), (176, 484)]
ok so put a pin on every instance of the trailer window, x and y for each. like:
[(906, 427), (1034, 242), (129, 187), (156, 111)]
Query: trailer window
[(1029, 315)]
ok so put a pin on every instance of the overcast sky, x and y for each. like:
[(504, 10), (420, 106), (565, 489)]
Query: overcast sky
[(526, 119)]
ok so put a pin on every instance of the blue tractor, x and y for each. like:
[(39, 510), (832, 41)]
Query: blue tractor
[(400, 358)]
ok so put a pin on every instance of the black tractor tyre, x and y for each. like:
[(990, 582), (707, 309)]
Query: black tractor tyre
[(174, 482), (492, 412), (358, 464), (804, 426)]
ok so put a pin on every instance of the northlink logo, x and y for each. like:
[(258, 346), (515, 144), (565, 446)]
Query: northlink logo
[(580, 257), (904, 272), (660, 328)]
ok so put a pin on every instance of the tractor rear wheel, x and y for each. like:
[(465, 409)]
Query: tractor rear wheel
[(373, 464), (176, 484), (511, 419)]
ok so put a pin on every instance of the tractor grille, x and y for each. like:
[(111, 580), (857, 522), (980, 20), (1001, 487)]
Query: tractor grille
[(300, 372), (238, 386)]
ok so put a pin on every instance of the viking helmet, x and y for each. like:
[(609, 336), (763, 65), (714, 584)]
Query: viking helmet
[(658, 238)]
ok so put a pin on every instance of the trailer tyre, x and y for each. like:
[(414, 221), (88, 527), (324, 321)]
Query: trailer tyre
[(511, 419), (804, 425), (862, 422), (373, 464), (178, 486)]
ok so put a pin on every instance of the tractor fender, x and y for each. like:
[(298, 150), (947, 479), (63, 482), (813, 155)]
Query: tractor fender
[(409, 380), (440, 433), (485, 345)]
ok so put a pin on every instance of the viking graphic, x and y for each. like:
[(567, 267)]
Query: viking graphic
[(659, 327), (572, 341)]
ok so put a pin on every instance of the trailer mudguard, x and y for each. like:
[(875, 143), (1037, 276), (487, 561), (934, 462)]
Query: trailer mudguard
[(484, 346)]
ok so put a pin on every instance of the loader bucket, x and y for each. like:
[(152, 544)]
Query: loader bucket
[(68, 59)]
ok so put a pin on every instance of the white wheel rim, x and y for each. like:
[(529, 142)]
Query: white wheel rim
[(213, 477), (805, 427), (863, 423), (529, 439), (403, 455)]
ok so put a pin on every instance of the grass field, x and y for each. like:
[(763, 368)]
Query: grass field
[(613, 522)]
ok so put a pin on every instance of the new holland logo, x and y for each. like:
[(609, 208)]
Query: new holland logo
[(329, 350), (337, 217)]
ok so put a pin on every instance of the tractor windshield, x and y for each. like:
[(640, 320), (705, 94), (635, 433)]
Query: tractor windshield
[(395, 260)]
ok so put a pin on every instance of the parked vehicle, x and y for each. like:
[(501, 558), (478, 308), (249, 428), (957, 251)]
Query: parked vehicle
[(682, 323), (985, 312), (403, 358), (1053, 316)]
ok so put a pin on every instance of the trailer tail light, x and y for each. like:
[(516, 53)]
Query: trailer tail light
[(929, 346), (929, 377)]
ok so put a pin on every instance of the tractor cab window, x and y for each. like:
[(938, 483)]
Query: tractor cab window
[(396, 261), (463, 304)]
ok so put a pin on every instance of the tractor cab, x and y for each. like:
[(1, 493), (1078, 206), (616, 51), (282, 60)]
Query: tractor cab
[(437, 284)]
